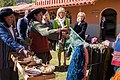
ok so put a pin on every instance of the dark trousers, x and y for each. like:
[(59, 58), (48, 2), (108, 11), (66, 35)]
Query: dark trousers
[(103, 34)]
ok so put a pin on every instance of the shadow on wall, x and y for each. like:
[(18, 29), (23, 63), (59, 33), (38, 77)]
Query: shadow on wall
[(93, 30)]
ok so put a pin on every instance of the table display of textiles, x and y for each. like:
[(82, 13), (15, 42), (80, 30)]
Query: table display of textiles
[(99, 55), (99, 58), (33, 66)]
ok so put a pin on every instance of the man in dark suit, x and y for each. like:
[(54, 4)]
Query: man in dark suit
[(103, 26), (22, 26)]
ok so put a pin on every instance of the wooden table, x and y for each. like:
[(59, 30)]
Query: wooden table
[(27, 77)]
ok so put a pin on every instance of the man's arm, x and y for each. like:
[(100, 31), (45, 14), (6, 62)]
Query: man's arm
[(8, 39)]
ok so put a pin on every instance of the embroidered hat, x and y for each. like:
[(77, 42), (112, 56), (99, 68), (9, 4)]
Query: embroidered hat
[(35, 11)]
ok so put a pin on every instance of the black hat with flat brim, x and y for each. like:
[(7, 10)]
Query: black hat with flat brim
[(6, 12), (35, 11)]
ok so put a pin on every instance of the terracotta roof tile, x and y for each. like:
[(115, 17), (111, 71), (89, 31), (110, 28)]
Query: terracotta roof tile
[(51, 4), (18, 8), (55, 3)]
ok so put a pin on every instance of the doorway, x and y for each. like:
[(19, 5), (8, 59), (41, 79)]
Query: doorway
[(110, 15)]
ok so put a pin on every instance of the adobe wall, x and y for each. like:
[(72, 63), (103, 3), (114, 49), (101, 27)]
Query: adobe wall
[(93, 15)]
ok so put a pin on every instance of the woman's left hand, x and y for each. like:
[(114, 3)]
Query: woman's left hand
[(27, 52)]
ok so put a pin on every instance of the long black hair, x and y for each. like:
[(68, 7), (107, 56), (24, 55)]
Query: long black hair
[(2, 20)]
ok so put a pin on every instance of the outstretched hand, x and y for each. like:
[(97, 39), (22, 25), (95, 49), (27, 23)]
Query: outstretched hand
[(27, 52), (31, 53), (64, 29)]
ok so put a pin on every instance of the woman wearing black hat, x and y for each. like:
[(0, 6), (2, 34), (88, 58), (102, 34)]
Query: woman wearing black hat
[(7, 44), (39, 34), (40, 44)]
